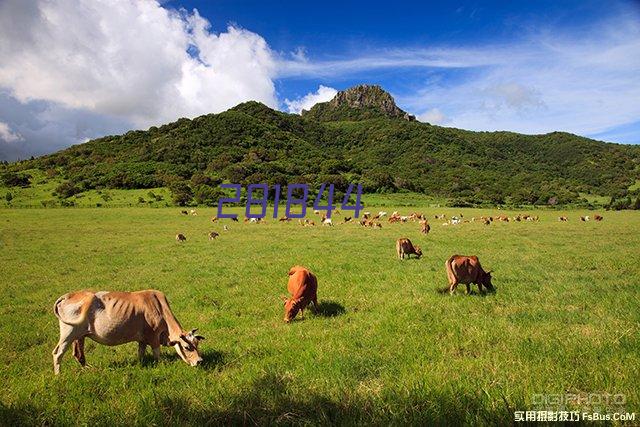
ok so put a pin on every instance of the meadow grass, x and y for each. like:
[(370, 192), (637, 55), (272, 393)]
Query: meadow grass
[(386, 348)]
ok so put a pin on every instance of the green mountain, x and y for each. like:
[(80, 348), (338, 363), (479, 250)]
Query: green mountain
[(359, 136)]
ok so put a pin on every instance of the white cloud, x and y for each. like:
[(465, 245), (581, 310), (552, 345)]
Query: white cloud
[(433, 116), (131, 59), (323, 94), (7, 135)]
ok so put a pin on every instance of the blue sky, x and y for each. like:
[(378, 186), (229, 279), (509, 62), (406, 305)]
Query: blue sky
[(72, 73)]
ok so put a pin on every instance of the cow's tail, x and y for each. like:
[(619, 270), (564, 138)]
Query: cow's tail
[(84, 310)]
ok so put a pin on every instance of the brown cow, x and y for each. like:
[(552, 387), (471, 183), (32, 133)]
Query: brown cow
[(563, 219), (213, 235), (467, 270), (180, 238), (114, 318), (597, 217), (404, 246), (303, 288)]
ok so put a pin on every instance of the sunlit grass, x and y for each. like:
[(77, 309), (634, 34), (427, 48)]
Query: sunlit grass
[(388, 347)]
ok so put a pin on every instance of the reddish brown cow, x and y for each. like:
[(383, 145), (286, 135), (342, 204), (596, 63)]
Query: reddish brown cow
[(303, 288), (597, 217), (467, 270), (405, 247)]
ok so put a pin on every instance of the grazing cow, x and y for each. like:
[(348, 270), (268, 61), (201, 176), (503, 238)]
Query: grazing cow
[(405, 247), (486, 221), (180, 238), (393, 219), (214, 219), (597, 217), (225, 228), (327, 221), (467, 270), (303, 290), (563, 219), (404, 218), (381, 214), (184, 212), (284, 219), (193, 212), (376, 224), (347, 219), (213, 235), (425, 227), (234, 219), (583, 219), (114, 318)]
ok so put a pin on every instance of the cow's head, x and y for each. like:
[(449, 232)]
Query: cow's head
[(486, 281), (291, 308), (418, 251), (187, 347)]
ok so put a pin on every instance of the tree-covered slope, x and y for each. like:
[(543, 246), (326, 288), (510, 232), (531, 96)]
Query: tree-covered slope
[(385, 151)]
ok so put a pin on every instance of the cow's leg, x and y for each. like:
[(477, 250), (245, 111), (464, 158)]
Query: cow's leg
[(452, 287), (468, 291), (67, 336), (78, 351), (315, 305), (156, 353), (142, 348)]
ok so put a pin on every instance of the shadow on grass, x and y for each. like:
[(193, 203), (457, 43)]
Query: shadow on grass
[(330, 309), (272, 399), (211, 359), (461, 291)]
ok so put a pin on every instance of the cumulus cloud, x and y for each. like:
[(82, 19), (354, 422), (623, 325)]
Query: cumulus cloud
[(131, 59), (7, 135), (323, 94)]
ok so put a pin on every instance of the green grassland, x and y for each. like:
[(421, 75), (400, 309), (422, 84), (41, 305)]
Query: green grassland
[(386, 347)]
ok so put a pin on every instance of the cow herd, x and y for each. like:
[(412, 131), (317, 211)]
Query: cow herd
[(114, 318)]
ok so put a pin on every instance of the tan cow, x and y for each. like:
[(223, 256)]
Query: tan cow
[(303, 290), (405, 247), (114, 318), (467, 270)]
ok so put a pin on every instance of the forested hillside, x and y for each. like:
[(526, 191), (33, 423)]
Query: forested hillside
[(341, 142)]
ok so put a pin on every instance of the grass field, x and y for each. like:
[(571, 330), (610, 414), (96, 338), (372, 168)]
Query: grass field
[(386, 347)]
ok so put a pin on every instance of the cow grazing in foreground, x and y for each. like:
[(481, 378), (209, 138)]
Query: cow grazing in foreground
[(180, 238), (303, 290), (467, 270), (213, 235), (405, 247), (114, 318)]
